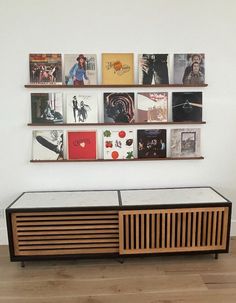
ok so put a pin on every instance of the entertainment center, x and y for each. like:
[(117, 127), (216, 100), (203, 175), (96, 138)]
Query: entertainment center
[(66, 224)]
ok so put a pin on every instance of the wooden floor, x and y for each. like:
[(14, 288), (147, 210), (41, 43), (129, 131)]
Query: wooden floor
[(166, 279)]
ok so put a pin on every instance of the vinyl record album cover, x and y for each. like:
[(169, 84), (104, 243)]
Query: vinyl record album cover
[(82, 108), (80, 69), (82, 145), (151, 143), (45, 68), (152, 107), (47, 108), (187, 106), (153, 69), (189, 69), (118, 107), (185, 142), (48, 145), (118, 144), (118, 68)]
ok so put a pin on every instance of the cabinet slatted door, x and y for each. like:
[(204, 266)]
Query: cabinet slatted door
[(173, 230), (65, 233)]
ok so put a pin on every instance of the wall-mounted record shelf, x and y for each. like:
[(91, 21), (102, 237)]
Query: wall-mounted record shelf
[(143, 124), (111, 85), (114, 124), (117, 160)]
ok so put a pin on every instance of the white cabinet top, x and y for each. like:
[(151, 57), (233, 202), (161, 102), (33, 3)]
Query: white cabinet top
[(67, 199), (170, 196), (108, 198)]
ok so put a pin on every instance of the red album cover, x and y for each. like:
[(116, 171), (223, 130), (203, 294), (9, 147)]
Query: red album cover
[(82, 145)]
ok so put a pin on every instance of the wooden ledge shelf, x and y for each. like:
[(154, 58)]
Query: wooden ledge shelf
[(111, 85), (118, 160), (114, 124)]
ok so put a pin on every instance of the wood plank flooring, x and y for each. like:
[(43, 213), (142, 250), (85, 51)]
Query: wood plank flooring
[(161, 279)]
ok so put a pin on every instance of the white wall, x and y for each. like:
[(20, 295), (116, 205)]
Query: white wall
[(31, 26)]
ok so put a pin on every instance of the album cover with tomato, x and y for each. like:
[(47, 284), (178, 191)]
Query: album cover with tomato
[(82, 145), (118, 144)]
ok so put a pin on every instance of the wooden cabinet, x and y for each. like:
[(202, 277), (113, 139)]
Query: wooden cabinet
[(173, 230), (65, 233), (44, 225)]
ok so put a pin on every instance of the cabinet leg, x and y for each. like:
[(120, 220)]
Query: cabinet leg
[(121, 260), (22, 264), (216, 256)]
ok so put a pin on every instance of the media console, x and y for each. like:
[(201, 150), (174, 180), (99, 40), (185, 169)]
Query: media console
[(66, 224)]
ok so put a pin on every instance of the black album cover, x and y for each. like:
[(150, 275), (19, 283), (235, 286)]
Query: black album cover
[(151, 143), (118, 107), (187, 106)]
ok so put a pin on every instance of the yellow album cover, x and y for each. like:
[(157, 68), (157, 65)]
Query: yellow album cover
[(118, 68)]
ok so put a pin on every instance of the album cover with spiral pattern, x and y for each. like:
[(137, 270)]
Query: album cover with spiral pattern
[(118, 107)]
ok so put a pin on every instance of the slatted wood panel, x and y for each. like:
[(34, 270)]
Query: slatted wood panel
[(65, 233), (173, 230)]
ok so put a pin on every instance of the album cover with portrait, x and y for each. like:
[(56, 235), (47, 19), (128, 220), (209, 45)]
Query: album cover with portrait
[(185, 142), (118, 68), (45, 69), (118, 107), (153, 69), (47, 108), (118, 144), (80, 69), (189, 69), (151, 143), (187, 106), (81, 108), (82, 145), (152, 107), (47, 145)]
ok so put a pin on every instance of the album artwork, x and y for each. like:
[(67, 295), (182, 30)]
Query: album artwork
[(80, 69), (118, 107), (152, 107), (118, 68), (46, 108), (189, 69), (82, 145), (82, 108), (153, 69), (185, 142), (118, 144), (48, 145), (45, 68), (187, 106), (152, 143)]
